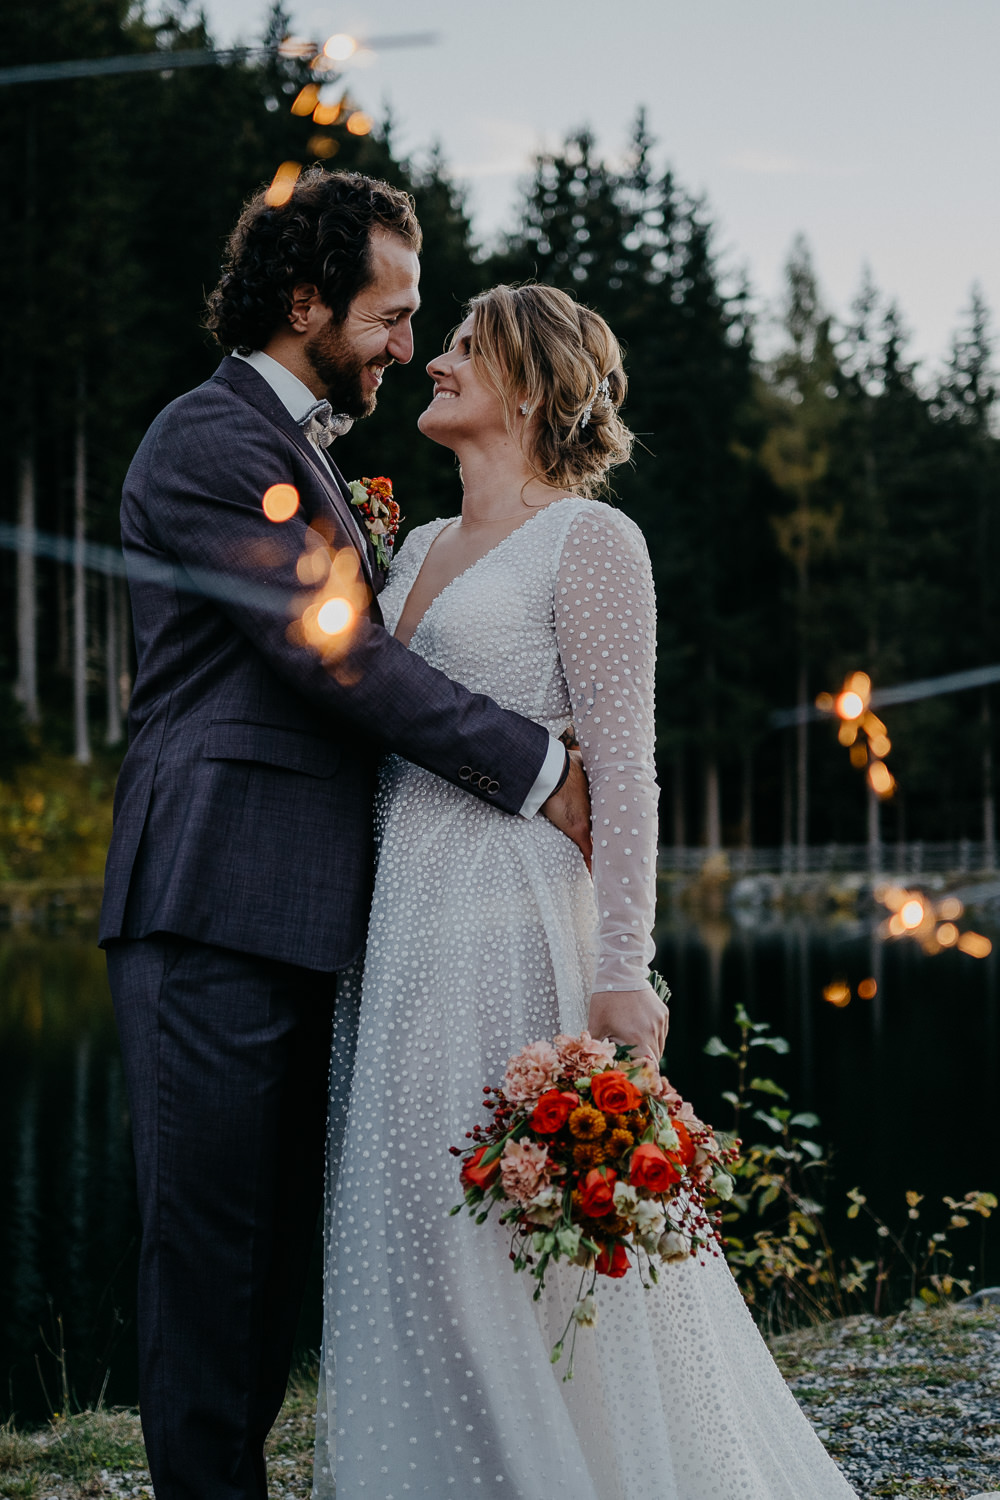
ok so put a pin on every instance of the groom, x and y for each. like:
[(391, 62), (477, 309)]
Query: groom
[(240, 866)]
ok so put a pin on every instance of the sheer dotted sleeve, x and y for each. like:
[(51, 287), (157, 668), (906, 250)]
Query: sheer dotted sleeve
[(605, 621)]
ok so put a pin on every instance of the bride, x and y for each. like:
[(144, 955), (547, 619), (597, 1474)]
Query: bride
[(488, 932)]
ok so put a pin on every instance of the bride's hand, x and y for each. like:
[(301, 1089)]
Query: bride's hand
[(636, 1018)]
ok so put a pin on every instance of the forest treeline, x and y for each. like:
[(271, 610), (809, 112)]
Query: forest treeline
[(811, 513)]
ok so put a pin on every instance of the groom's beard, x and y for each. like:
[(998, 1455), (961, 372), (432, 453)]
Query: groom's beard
[(339, 369)]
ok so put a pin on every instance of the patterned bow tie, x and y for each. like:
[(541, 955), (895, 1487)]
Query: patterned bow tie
[(321, 424)]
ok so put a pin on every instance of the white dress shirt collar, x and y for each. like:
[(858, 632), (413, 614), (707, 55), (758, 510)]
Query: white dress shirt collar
[(293, 394)]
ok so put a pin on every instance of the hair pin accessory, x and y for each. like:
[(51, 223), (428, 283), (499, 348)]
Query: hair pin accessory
[(603, 393)]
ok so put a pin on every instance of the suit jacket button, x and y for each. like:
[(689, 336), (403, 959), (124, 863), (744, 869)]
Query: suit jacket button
[(493, 788), (465, 773)]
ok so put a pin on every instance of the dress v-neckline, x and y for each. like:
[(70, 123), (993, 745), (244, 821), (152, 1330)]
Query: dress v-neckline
[(472, 565)]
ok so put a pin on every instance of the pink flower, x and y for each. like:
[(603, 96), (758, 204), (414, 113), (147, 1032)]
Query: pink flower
[(664, 1090), (533, 1070), (524, 1169), (579, 1056)]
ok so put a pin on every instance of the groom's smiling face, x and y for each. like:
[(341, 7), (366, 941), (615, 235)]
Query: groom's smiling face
[(348, 358)]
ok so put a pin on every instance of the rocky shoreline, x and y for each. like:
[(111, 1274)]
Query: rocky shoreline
[(908, 1406)]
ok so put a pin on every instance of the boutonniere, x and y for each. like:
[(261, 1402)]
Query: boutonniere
[(380, 513)]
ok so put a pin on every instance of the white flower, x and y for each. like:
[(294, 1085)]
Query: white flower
[(626, 1198), (358, 492), (545, 1207), (585, 1311), (673, 1246), (568, 1240), (649, 1217), (722, 1186), (667, 1138)]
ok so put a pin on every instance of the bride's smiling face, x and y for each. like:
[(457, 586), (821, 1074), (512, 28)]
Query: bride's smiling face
[(463, 407)]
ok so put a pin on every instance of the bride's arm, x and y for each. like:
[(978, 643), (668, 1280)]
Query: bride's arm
[(605, 620)]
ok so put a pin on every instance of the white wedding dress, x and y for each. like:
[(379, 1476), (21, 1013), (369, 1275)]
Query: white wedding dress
[(435, 1378)]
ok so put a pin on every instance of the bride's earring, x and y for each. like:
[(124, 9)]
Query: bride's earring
[(525, 409)]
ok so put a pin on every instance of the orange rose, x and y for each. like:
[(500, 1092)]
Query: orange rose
[(475, 1175), (552, 1111), (613, 1265), (686, 1149), (650, 1168), (613, 1093), (597, 1192)]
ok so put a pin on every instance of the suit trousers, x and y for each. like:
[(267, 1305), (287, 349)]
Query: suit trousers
[(226, 1059)]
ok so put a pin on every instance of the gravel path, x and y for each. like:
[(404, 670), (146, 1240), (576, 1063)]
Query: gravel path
[(908, 1406)]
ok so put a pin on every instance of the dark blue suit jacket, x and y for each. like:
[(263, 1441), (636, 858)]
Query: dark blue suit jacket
[(244, 805)]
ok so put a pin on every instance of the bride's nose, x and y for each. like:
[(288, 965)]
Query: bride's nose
[(437, 366)]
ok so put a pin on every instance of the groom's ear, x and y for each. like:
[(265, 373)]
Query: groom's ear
[(304, 298)]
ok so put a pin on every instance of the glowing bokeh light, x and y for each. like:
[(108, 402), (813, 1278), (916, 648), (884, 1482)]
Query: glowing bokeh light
[(950, 908), (838, 993), (313, 567), (881, 745), (947, 934), (859, 756), (326, 114), (306, 100), (322, 146), (911, 913), (335, 616), (860, 683), (850, 706), (359, 123), (847, 733), (340, 47), (824, 702), (280, 502), (295, 46), (881, 779), (867, 989), (974, 944), (282, 184)]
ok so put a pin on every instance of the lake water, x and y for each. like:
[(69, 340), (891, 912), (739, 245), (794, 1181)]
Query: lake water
[(905, 1085)]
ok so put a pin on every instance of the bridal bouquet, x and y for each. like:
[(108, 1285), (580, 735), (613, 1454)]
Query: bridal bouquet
[(594, 1159)]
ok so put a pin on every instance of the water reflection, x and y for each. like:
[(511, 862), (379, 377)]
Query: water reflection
[(904, 1085), (68, 1236)]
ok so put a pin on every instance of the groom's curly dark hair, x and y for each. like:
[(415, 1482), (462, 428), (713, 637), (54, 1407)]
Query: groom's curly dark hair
[(321, 235)]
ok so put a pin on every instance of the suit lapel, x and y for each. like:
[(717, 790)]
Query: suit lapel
[(249, 384)]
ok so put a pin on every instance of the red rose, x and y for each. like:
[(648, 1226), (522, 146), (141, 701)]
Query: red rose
[(686, 1149), (650, 1168), (597, 1193), (613, 1265), (613, 1093), (552, 1111), (474, 1175)]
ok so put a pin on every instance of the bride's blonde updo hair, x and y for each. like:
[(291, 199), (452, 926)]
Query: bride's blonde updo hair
[(535, 346)]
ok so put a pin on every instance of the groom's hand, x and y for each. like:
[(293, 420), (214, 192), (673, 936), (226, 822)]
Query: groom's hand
[(569, 807)]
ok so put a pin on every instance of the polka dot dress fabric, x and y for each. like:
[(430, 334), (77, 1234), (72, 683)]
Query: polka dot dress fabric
[(486, 933)]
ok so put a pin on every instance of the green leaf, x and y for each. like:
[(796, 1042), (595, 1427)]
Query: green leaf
[(769, 1121), (776, 1043), (768, 1086), (811, 1149), (716, 1047), (731, 1098), (767, 1197), (807, 1121)]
